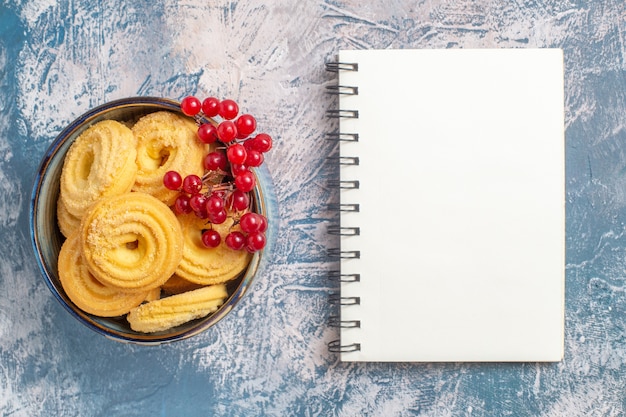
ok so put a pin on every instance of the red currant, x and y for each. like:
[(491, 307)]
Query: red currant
[(238, 200), (181, 204), (172, 180), (236, 154), (211, 238), (215, 160), (241, 151), (235, 240), (197, 202), (237, 169), (190, 106), (246, 124), (228, 109), (214, 204), (227, 131), (245, 181), (255, 241), (254, 158), (250, 222), (192, 184), (207, 133), (218, 217), (262, 142), (210, 106)]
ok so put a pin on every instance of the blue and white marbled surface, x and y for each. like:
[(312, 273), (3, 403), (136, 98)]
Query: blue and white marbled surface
[(269, 357)]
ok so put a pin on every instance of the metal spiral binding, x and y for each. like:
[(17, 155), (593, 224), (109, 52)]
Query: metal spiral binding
[(338, 276), (336, 347), (344, 254), (336, 298), (343, 137), (348, 90), (344, 184), (341, 66), (343, 231), (335, 321), (342, 113), (344, 160), (344, 207)]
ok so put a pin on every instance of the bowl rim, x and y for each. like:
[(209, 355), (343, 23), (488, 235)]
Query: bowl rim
[(93, 322)]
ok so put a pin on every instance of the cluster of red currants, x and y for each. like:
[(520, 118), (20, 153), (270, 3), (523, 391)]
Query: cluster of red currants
[(224, 188)]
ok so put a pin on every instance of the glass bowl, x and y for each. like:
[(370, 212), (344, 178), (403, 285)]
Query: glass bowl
[(47, 239)]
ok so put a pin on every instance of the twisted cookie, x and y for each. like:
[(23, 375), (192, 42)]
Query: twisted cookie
[(87, 292), (131, 241), (100, 163), (205, 266), (166, 141), (177, 309)]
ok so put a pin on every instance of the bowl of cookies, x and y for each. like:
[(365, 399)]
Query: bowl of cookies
[(150, 218)]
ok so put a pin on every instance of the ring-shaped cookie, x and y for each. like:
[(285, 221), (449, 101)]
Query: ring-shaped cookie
[(206, 266), (100, 163), (87, 292), (131, 241), (166, 142)]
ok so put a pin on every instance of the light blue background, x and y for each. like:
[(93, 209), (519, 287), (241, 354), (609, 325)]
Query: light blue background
[(269, 357)]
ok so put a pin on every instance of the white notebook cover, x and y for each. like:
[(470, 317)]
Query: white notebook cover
[(462, 205)]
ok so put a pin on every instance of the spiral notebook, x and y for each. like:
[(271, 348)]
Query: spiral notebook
[(452, 200)]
